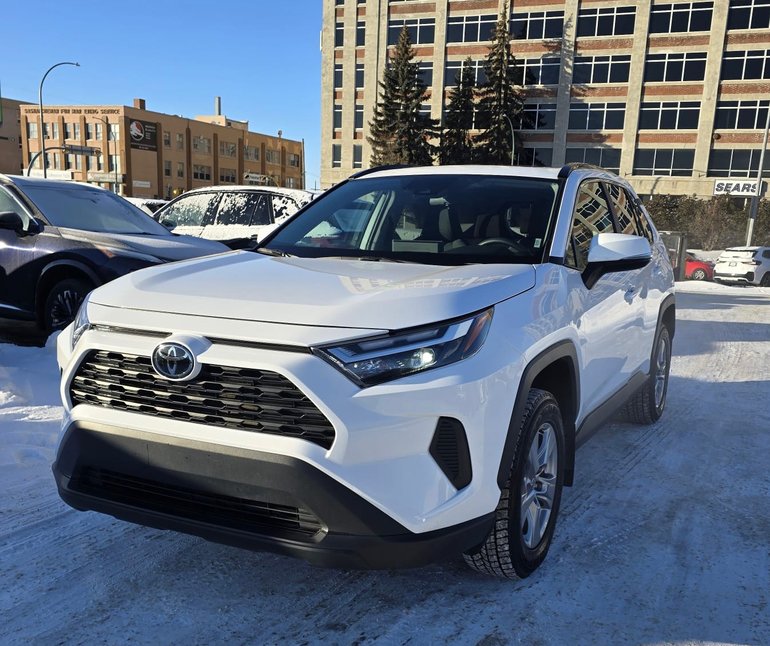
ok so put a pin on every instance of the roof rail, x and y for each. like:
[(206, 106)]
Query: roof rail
[(569, 167), (376, 169)]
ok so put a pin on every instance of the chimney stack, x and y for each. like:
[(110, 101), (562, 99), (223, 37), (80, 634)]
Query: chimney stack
[(139, 104), (218, 105)]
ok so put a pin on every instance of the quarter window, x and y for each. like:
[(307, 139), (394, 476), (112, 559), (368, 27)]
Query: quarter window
[(622, 206)]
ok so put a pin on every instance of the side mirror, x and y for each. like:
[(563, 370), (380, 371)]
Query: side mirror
[(12, 221), (169, 224), (611, 252)]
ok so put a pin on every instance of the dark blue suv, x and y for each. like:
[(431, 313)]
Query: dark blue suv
[(59, 240)]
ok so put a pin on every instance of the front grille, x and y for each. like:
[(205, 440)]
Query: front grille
[(260, 401), (209, 507)]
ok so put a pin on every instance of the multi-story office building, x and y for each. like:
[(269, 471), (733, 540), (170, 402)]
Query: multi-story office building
[(142, 153), (671, 95), (10, 136)]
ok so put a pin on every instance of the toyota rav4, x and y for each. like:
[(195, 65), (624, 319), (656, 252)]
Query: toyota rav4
[(398, 374)]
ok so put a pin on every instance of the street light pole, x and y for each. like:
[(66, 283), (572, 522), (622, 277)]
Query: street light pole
[(40, 99), (758, 192), (106, 121), (510, 123)]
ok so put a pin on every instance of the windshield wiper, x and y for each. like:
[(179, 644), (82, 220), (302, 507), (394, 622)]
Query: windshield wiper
[(273, 252)]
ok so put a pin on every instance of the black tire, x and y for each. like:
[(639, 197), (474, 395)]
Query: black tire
[(62, 303), (765, 282), (505, 552), (698, 274), (647, 405)]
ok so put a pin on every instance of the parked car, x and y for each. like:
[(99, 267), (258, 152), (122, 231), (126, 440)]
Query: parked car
[(231, 214), (147, 204), (397, 374), (744, 265), (59, 240), (697, 269)]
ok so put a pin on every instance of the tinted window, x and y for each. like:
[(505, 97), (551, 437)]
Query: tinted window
[(240, 208), (191, 210), (91, 209)]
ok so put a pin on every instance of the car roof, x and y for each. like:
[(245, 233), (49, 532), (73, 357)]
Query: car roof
[(278, 190), (536, 172), (23, 181)]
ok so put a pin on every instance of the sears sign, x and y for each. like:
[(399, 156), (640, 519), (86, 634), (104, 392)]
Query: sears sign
[(737, 187)]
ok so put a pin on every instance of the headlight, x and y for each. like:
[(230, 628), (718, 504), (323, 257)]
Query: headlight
[(81, 323), (384, 358)]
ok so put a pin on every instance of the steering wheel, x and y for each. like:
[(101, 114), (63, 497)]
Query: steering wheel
[(513, 245)]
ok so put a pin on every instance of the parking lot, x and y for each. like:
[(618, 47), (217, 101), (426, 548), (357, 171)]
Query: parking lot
[(663, 538)]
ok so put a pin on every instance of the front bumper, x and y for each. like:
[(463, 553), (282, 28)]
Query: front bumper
[(240, 497)]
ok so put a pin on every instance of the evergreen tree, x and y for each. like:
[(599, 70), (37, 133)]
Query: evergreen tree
[(456, 142), (499, 98), (398, 132)]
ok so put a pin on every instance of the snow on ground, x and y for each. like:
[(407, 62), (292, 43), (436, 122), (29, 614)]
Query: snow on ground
[(663, 538)]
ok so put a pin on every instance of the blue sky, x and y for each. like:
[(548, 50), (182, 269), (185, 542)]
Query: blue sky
[(261, 56)]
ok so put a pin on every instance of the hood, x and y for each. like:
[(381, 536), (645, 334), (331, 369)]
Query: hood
[(317, 291), (166, 247)]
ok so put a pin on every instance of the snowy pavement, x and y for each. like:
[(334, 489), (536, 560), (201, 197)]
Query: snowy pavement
[(665, 537)]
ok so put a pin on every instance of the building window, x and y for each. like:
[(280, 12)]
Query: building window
[(293, 160), (69, 131), (749, 14), (689, 66), (663, 161), (337, 76), (596, 116), (51, 130), (166, 168), (751, 64), (114, 163), (251, 153), (94, 162), (201, 145), (741, 115), (31, 130), (180, 169), (537, 71), (339, 34), (608, 158), (74, 162), (360, 33), (470, 29), (292, 182), (179, 141), (425, 73), (166, 139), (114, 132), (601, 69), (669, 115), (272, 156), (453, 69), (726, 162), (227, 149), (606, 21), (201, 172), (358, 156), (422, 31), (336, 156), (536, 25), (337, 116), (358, 117), (227, 175), (536, 157), (359, 76), (681, 17), (539, 116)]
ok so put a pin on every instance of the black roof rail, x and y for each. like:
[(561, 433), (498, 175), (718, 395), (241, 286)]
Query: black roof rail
[(569, 167), (376, 169)]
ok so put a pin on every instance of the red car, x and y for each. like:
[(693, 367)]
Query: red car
[(695, 269)]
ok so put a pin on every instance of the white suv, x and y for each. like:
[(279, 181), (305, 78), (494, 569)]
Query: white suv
[(747, 265), (398, 374)]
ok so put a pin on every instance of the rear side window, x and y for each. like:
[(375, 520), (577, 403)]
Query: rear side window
[(244, 209), (192, 210), (284, 206), (623, 207), (591, 217)]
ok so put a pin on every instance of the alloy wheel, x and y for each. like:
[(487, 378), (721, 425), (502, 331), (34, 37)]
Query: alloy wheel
[(538, 486)]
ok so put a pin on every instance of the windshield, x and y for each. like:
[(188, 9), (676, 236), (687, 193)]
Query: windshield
[(91, 209), (439, 219)]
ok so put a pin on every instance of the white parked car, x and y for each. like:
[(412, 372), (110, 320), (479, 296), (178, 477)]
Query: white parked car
[(746, 265), (398, 374), (231, 214), (147, 204)]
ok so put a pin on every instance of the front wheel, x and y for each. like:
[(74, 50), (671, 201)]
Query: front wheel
[(62, 303), (525, 517)]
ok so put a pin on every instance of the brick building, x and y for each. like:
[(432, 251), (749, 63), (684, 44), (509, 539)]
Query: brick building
[(142, 153), (671, 95), (10, 136)]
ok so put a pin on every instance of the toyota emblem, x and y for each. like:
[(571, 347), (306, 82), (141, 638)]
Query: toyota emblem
[(173, 361)]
